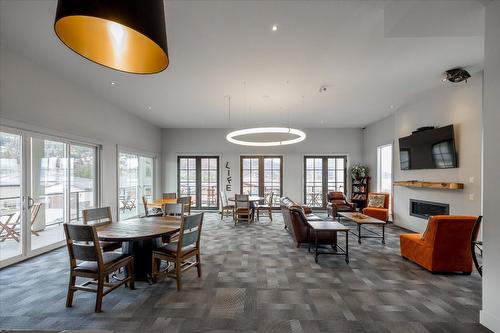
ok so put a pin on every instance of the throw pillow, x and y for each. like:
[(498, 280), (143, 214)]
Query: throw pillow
[(376, 200)]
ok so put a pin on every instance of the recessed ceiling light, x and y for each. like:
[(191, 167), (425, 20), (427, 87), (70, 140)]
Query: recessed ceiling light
[(149, 108), (113, 83), (275, 27)]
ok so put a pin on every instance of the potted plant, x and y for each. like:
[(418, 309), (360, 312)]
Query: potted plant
[(359, 171)]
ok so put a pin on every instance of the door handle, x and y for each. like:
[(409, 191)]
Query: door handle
[(31, 202)]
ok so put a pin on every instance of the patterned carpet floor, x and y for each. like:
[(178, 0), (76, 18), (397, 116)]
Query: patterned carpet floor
[(255, 280)]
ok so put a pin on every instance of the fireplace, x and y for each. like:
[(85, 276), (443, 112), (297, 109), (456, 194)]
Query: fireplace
[(424, 209)]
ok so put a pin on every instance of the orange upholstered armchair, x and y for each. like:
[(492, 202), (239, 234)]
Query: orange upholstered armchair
[(444, 246), (381, 213)]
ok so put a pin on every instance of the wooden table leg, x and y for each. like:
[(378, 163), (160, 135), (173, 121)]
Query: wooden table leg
[(359, 233), (316, 246), (309, 239), (383, 233), (142, 251), (347, 246)]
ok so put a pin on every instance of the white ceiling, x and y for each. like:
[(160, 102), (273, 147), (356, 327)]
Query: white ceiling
[(373, 56)]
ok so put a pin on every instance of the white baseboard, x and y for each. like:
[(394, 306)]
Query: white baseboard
[(489, 321)]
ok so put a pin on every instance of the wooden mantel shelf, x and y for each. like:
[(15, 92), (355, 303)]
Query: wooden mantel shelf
[(434, 185)]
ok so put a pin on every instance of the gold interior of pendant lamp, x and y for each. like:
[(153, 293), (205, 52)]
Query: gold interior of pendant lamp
[(111, 44)]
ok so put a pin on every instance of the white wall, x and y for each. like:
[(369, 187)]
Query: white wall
[(457, 104), (377, 134), (213, 142), (35, 98), (490, 314)]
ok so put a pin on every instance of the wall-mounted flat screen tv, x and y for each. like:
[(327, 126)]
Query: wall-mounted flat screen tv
[(428, 149)]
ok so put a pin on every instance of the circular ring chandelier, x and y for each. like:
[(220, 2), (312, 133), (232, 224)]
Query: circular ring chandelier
[(301, 136)]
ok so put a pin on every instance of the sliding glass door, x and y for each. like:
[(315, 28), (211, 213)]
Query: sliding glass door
[(136, 180), (323, 174), (198, 177), (261, 175), (49, 190), (83, 179), (44, 182), (11, 172)]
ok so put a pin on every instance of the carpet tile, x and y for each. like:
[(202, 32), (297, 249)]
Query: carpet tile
[(254, 280)]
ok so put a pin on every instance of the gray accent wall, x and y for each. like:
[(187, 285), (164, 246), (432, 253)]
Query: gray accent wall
[(457, 104)]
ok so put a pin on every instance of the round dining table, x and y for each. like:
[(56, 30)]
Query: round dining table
[(139, 237)]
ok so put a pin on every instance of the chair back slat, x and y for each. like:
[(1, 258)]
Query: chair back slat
[(190, 230), (145, 204), (268, 199), (79, 233), (186, 201), (97, 216), (189, 238), (84, 252), (173, 209), (223, 199), (169, 195), (82, 242), (241, 201)]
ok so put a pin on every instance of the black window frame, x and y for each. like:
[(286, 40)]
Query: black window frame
[(324, 173), (198, 182), (261, 173)]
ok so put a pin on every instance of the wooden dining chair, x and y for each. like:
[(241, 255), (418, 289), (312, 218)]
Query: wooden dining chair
[(226, 207), (186, 201), (186, 247), (173, 209), (169, 195), (97, 217), (145, 204), (242, 208), (83, 247), (267, 206)]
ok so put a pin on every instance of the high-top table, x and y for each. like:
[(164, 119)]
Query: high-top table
[(360, 220), (139, 237)]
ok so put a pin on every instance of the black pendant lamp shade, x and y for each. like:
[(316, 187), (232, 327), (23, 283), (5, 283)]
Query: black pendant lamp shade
[(126, 35)]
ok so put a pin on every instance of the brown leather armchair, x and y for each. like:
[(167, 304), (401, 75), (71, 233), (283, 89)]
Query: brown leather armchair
[(337, 202), (300, 228), (295, 217)]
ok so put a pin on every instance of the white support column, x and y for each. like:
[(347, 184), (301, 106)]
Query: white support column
[(490, 314)]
